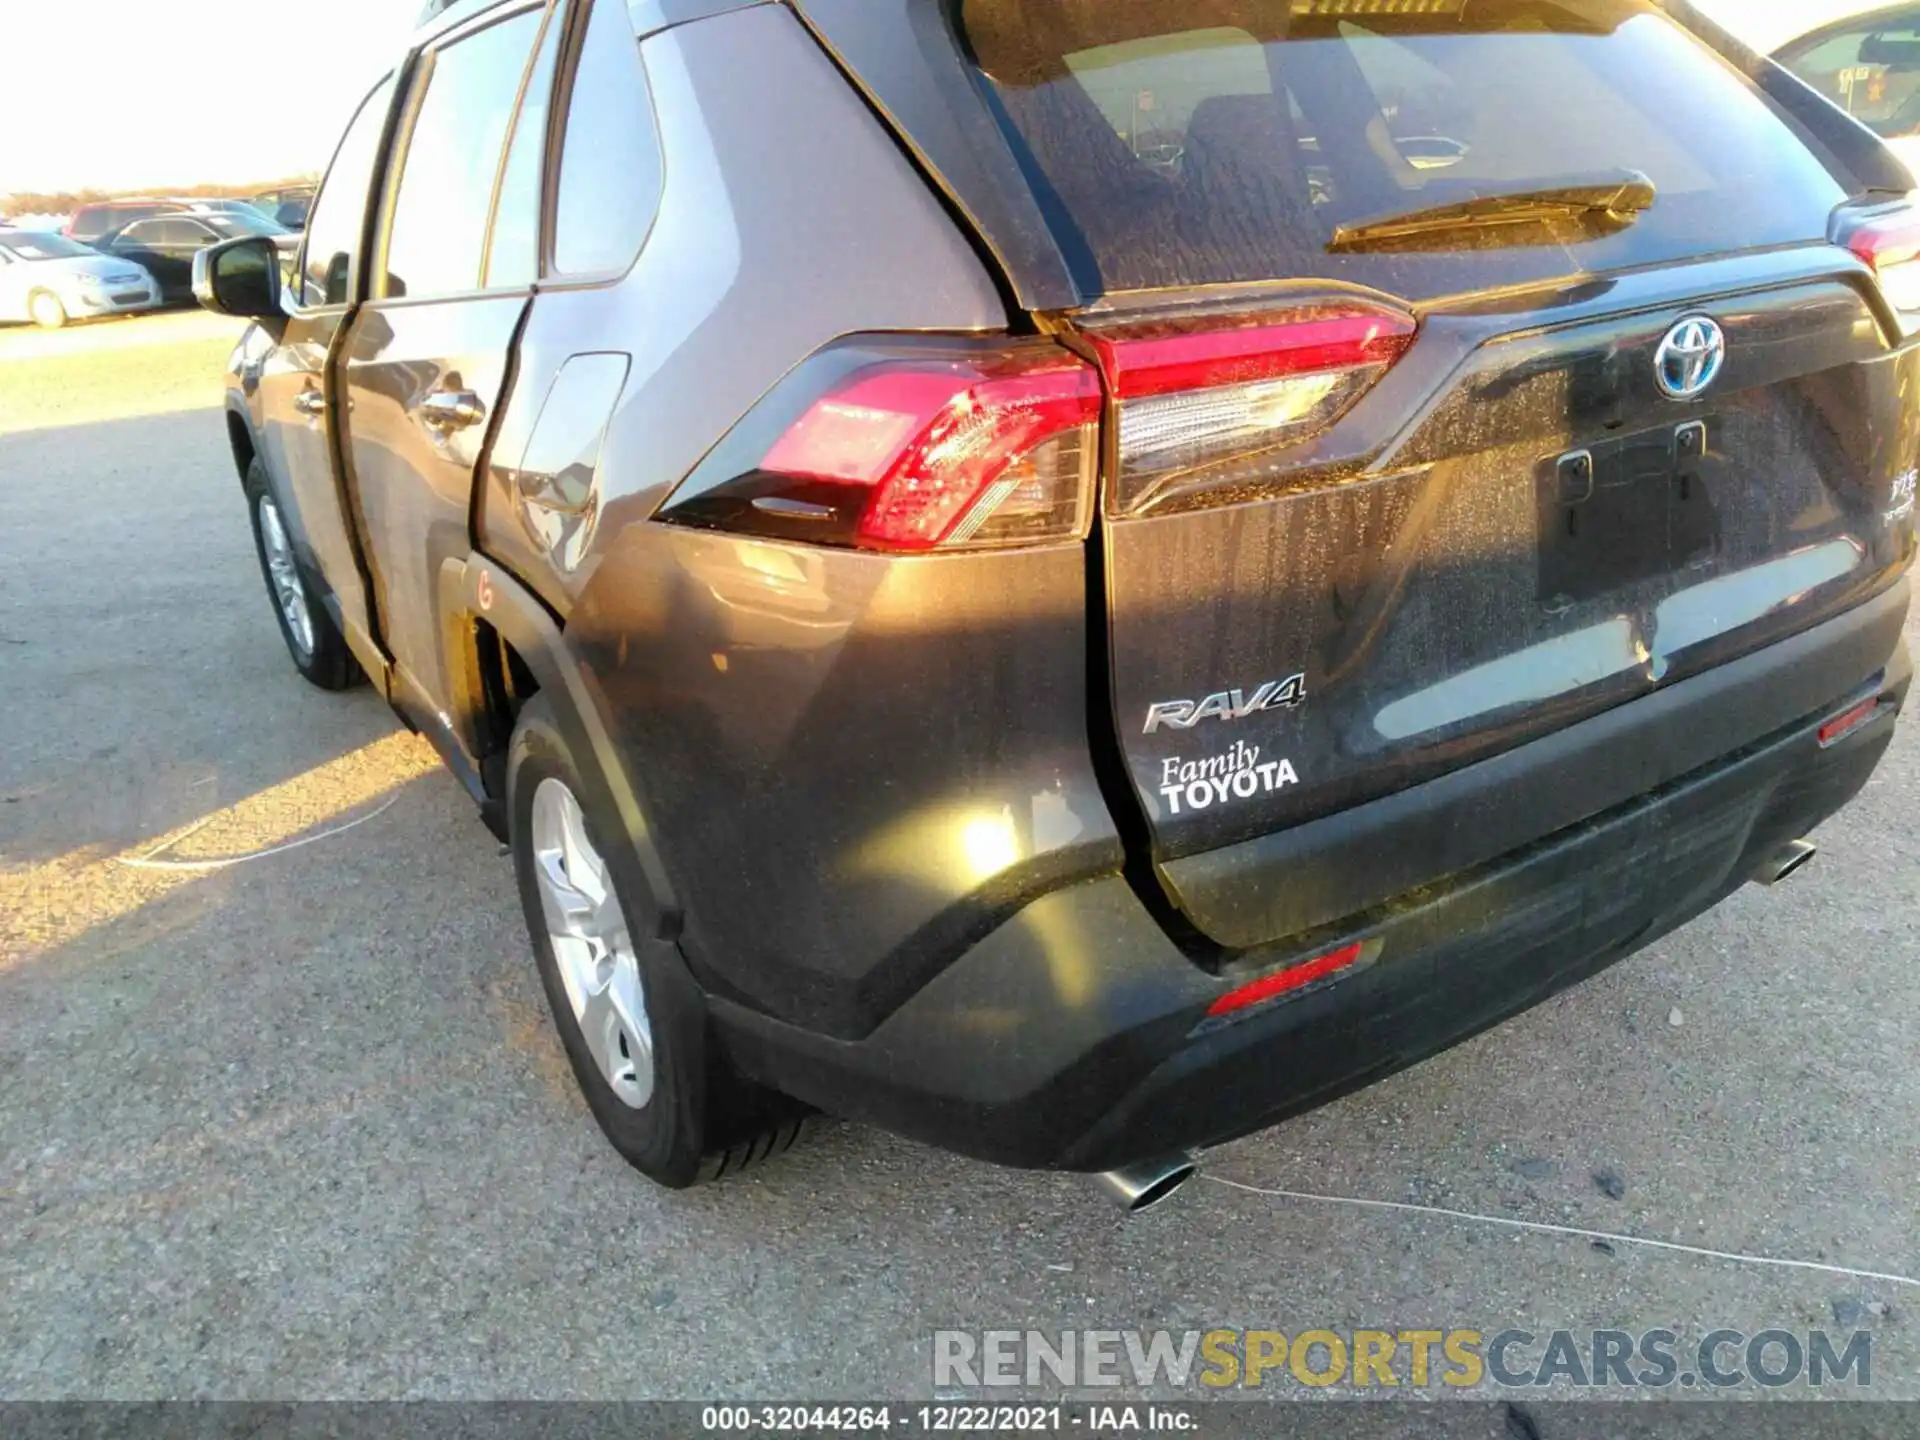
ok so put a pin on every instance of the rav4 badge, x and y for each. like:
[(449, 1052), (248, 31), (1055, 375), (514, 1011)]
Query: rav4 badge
[(1227, 705)]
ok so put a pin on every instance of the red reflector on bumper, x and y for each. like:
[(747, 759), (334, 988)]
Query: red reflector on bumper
[(1848, 721), (1292, 978)]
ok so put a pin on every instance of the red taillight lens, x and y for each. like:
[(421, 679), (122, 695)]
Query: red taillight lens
[(1200, 396), (1890, 245), (1294, 977), (916, 446)]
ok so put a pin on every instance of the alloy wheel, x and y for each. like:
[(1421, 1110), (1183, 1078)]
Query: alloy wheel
[(289, 590), (591, 945)]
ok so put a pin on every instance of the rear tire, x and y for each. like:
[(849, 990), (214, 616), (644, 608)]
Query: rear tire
[(46, 310), (318, 649), (657, 1088)]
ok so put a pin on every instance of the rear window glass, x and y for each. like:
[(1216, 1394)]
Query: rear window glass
[(1259, 144)]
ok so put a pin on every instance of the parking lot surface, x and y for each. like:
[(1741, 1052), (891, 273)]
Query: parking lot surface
[(298, 1126)]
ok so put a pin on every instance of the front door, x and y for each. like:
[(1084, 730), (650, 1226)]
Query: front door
[(295, 400), (423, 365)]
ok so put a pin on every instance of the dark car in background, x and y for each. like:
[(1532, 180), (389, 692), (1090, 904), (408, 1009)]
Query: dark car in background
[(91, 223), (289, 206), (244, 210), (1074, 637), (1868, 65), (166, 244)]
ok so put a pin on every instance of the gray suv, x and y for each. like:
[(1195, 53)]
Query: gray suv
[(1074, 580)]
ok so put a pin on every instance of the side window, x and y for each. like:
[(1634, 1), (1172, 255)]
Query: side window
[(340, 211), (515, 257), (610, 171), (439, 232)]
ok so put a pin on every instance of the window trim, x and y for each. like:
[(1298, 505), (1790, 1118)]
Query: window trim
[(399, 78), (573, 45), (393, 173), (558, 12)]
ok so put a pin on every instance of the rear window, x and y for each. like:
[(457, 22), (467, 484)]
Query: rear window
[(1258, 144)]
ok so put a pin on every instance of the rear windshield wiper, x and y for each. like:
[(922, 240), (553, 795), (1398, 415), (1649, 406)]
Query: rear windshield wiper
[(1606, 204)]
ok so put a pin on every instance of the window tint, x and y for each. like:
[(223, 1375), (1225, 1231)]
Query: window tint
[(515, 258), (340, 212), (148, 232), (1237, 150), (1872, 72), (610, 174), (453, 157)]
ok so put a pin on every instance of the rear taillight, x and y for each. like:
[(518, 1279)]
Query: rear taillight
[(911, 445), (1890, 245), (1206, 401)]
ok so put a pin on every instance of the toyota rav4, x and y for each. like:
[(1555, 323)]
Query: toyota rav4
[(1072, 580)]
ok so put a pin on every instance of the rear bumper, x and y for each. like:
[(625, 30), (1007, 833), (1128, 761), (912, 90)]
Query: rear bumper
[(1076, 1035)]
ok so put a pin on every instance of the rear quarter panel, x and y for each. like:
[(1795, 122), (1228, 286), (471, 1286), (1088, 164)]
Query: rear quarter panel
[(853, 765)]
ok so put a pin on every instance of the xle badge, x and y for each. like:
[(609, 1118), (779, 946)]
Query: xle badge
[(1227, 705), (1240, 774)]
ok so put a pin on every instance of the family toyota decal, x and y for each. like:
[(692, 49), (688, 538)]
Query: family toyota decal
[(1240, 774)]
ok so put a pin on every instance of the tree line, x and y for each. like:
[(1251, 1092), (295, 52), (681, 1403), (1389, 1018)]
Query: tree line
[(65, 202)]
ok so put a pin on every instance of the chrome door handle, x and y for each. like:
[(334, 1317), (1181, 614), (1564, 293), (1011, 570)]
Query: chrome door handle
[(310, 403), (452, 409)]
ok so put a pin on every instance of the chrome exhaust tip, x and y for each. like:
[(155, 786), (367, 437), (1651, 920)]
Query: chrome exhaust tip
[(1143, 1185), (1783, 861)]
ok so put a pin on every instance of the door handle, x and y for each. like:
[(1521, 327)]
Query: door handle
[(452, 409), (310, 403)]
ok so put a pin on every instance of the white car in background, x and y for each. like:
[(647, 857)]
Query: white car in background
[(50, 280), (1868, 64)]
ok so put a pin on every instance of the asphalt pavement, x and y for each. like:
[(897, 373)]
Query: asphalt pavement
[(299, 1126)]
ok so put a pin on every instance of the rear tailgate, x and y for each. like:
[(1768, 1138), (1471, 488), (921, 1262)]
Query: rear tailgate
[(1475, 368), (1513, 531)]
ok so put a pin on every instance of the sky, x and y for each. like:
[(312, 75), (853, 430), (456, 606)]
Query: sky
[(141, 95), (136, 94)]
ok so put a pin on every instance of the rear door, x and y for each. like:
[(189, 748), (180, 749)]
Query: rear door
[(1478, 368), (424, 362)]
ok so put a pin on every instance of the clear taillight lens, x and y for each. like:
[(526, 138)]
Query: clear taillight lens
[(1890, 245), (1203, 400), (911, 445)]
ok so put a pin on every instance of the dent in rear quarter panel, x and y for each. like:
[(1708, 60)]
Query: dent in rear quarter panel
[(854, 765), (857, 765)]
